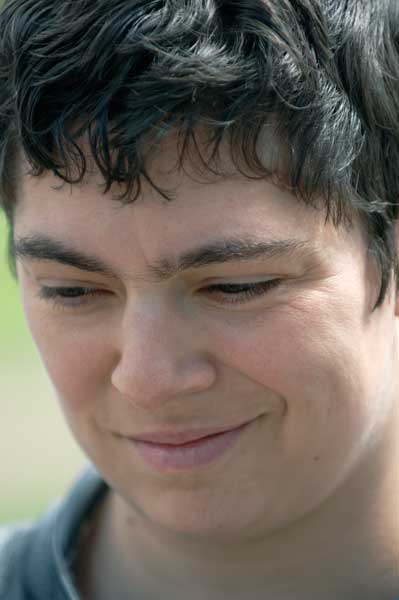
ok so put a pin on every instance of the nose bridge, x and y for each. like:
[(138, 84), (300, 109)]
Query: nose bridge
[(160, 358)]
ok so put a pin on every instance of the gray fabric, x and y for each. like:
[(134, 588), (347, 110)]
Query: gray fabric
[(36, 557)]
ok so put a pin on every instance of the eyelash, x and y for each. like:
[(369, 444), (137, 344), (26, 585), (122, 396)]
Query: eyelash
[(63, 297)]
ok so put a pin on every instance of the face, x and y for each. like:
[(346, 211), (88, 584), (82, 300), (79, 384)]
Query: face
[(303, 360)]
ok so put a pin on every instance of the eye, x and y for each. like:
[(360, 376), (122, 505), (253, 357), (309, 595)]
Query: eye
[(69, 297), (239, 293)]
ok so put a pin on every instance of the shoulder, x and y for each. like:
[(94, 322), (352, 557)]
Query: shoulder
[(36, 556), (12, 537), (28, 569), (14, 541)]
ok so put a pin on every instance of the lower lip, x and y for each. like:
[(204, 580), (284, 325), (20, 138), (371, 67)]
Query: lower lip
[(199, 453)]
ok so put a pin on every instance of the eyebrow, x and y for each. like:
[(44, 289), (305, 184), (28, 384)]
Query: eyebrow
[(41, 247)]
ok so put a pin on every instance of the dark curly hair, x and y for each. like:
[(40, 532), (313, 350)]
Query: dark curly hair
[(321, 77)]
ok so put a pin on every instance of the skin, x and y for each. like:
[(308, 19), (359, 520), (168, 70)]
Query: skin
[(304, 505)]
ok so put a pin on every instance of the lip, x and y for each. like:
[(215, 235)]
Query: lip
[(178, 438), (200, 452)]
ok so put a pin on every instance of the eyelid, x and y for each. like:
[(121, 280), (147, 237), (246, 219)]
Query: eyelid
[(69, 282), (50, 291), (53, 295), (233, 293), (251, 290)]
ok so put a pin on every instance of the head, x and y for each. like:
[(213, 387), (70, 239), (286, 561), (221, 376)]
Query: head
[(149, 130)]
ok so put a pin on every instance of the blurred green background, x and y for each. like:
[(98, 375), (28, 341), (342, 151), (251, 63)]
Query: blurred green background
[(39, 458)]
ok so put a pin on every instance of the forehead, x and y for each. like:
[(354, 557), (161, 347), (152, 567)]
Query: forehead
[(203, 206), (187, 177), (197, 209)]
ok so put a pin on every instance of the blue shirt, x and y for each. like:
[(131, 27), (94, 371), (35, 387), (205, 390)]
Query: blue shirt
[(36, 558)]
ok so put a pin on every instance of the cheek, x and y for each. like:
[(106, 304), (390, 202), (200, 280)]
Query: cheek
[(290, 345), (78, 357), (315, 362)]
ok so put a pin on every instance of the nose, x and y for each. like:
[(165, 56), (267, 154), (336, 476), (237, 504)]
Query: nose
[(160, 360)]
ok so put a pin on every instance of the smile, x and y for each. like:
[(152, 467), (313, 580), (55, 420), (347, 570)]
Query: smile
[(196, 453)]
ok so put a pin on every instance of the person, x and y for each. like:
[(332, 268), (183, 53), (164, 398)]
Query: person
[(202, 198)]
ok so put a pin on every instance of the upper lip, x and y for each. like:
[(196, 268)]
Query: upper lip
[(183, 437)]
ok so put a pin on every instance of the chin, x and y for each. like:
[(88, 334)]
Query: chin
[(194, 516)]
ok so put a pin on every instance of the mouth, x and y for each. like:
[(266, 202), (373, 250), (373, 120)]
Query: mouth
[(179, 438), (191, 452)]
